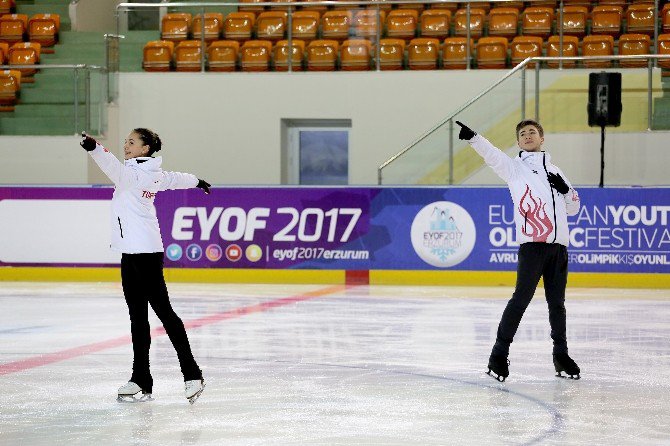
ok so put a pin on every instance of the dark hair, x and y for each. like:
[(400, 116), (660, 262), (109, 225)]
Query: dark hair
[(526, 122), (149, 138)]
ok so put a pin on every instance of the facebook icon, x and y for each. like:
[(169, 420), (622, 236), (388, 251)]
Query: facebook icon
[(193, 252)]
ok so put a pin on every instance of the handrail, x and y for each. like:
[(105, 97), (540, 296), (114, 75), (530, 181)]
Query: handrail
[(522, 65)]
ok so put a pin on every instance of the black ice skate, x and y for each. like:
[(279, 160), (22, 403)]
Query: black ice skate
[(128, 391), (564, 363), (498, 367)]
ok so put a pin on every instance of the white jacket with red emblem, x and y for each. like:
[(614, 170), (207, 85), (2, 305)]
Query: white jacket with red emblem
[(540, 212), (134, 223)]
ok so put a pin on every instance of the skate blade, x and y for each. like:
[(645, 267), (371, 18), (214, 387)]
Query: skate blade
[(195, 397), (495, 376), (133, 399), (567, 376)]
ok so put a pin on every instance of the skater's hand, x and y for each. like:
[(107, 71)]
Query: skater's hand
[(466, 133), (557, 182), (87, 142), (204, 185)]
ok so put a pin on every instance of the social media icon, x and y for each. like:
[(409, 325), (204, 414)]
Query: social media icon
[(173, 252), (193, 252), (233, 253), (213, 252), (254, 253)]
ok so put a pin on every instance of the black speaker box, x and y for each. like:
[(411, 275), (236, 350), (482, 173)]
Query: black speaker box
[(604, 105)]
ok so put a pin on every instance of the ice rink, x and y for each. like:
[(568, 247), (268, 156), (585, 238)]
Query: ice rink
[(333, 365)]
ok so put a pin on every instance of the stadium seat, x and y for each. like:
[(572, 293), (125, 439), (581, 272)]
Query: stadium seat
[(570, 49), (435, 23), (621, 3), (606, 20), (402, 24), (484, 6), (13, 27), (157, 55), (25, 53), (630, 44), (385, 6), (255, 55), (187, 55), (271, 25), (175, 26), (365, 23), (583, 3), (305, 25), (664, 48), (322, 55), (516, 5), (280, 54), (423, 53), (574, 21), (10, 84), (249, 6), (665, 17), (280, 7), (523, 47), (454, 53), (537, 21), (335, 25), (4, 52), (477, 18), (600, 45), (308, 5), (418, 7), (7, 6), (503, 22), (391, 54), (492, 52), (355, 55), (213, 25), (43, 29), (239, 25), (544, 4), (222, 55), (451, 7), (640, 19)]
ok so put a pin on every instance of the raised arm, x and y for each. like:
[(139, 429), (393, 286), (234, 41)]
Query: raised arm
[(107, 162), (495, 158)]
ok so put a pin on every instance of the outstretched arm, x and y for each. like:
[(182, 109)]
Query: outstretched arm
[(107, 162), (493, 156), (179, 180)]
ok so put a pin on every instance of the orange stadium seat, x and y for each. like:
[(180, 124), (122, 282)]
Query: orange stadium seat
[(157, 55), (175, 26), (25, 53), (606, 20), (492, 52), (280, 7), (322, 55), (537, 21), (4, 52), (602, 45), (188, 55), (307, 5), (664, 49), (570, 49), (7, 6), (484, 6), (418, 7), (391, 54), (423, 53), (574, 21), (222, 55), (335, 25), (305, 25), (251, 7), (621, 3), (545, 4), (630, 44), (13, 27), (271, 25), (281, 51), (503, 22), (516, 5), (640, 19), (385, 6), (451, 7), (584, 3), (213, 25), (477, 18), (43, 29), (10, 84), (665, 17), (365, 23), (523, 47), (355, 55), (454, 53), (255, 55), (402, 24), (435, 23), (239, 25)]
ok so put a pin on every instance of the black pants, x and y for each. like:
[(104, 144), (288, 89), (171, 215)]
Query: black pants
[(536, 260), (143, 284)]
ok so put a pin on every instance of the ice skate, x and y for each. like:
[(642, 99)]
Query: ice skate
[(564, 363), (193, 389), (128, 391), (498, 367)]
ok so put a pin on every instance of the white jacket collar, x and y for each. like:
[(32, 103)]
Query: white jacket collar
[(146, 162), (535, 158)]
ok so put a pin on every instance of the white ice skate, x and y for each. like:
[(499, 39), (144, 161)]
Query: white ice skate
[(193, 389), (128, 391)]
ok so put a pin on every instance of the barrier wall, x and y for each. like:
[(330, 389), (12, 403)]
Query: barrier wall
[(416, 235)]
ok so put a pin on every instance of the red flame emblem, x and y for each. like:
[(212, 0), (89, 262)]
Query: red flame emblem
[(536, 222)]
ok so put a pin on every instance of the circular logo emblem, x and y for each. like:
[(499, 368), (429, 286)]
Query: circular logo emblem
[(173, 252), (213, 252), (193, 252), (254, 253), (443, 234), (233, 253)]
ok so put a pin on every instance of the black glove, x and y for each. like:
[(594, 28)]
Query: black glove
[(466, 133), (87, 142), (204, 185), (557, 182)]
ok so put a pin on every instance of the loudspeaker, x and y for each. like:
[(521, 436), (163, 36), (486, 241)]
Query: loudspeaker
[(604, 106)]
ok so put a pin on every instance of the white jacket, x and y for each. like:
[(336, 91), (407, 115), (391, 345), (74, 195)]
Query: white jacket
[(541, 213), (134, 223)]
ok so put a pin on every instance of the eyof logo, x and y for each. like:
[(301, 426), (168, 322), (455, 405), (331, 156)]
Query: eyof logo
[(173, 252), (193, 252), (443, 234), (213, 252)]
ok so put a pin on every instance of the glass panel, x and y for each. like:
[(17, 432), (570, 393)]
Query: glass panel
[(324, 157)]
